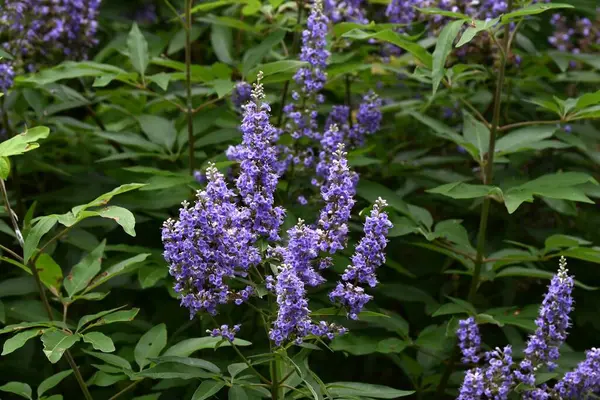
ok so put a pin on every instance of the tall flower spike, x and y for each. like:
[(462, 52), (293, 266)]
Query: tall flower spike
[(368, 119), (584, 380), (338, 193), (469, 340), (552, 324), (259, 164), (302, 113), (493, 381), (369, 255), (209, 245)]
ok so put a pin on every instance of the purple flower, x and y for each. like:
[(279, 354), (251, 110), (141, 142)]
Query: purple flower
[(7, 76), (302, 200), (225, 332), (209, 245), (369, 254), (473, 386), (146, 14), (584, 380), (258, 166), (338, 192), (469, 340), (241, 94), (346, 11), (45, 31), (368, 119), (494, 381), (552, 324), (302, 113)]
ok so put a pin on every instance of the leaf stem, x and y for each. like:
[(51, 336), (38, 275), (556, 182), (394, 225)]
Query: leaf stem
[(188, 82), (126, 389), (527, 123), (262, 378)]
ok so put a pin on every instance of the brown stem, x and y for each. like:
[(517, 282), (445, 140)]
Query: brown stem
[(527, 123), (127, 389)]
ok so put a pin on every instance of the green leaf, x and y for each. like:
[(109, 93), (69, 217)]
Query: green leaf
[(138, 49), (397, 39), (103, 199), (175, 371), (461, 190), (237, 393), (523, 139), (560, 241), (110, 359), (26, 325), (583, 253), (99, 341), (191, 362), (86, 319), (19, 340), (23, 142), (82, 273), (159, 130), (207, 389), (52, 381), (443, 48), (119, 316), (4, 167), (477, 134), (449, 309), (276, 67), (532, 10), (117, 269), (357, 345), (50, 272), (42, 226), (104, 379), (150, 345), (161, 79), (439, 129), (476, 27), (18, 388), (120, 215), (536, 273), (56, 342), (186, 347), (211, 5), (391, 345), (254, 55), (221, 40), (356, 389), (556, 186)]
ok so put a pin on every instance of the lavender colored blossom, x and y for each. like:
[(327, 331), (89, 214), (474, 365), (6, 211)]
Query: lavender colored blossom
[(302, 113), (200, 177), (473, 386), (584, 380), (47, 31), (302, 251), (241, 94), (368, 256), (578, 35), (7, 76), (552, 324), (368, 119), (225, 332), (209, 245), (338, 193), (259, 165), (346, 11), (469, 340), (302, 200), (493, 381)]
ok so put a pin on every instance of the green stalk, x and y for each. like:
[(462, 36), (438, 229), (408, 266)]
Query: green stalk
[(43, 297), (488, 175), (188, 82), (275, 379)]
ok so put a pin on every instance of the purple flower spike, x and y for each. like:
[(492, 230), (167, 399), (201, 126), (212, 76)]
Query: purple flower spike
[(552, 324), (584, 380), (368, 256), (259, 165), (469, 340), (241, 94)]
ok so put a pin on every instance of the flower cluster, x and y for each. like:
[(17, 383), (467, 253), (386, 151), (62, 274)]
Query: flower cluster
[(369, 255), (225, 332), (575, 36), (213, 248), (41, 31), (500, 375), (469, 340), (346, 11), (241, 94)]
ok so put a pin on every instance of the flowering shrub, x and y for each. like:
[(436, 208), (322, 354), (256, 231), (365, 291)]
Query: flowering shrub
[(193, 199)]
